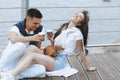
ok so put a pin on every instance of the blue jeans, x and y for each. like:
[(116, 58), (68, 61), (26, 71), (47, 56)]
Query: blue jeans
[(61, 60)]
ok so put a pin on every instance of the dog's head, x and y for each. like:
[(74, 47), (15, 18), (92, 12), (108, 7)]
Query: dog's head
[(52, 50), (58, 48)]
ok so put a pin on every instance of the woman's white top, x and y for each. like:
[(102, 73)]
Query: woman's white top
[(68, 39)]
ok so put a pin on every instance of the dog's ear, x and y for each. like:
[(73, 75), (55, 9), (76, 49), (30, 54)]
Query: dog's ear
[(58, 48), (44, 50), (54, 54), (52, 51), (49, 50)]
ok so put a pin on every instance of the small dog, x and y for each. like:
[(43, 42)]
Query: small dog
[(52, 50)]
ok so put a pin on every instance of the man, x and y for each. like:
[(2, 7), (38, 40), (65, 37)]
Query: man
[(22, 35)]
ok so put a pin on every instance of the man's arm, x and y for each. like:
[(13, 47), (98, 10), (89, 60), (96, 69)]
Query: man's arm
[(14, 37)]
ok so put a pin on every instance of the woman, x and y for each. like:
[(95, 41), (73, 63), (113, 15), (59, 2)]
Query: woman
[(69, 36)]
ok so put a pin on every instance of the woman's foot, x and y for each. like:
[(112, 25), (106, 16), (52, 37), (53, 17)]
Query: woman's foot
[(92, 69)]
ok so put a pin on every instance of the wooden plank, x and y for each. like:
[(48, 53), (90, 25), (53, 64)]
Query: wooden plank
[(63, 78), (31, 79), (46, 78), (57, 78), (114, 59), (73, 77), (91, 75), (103, 73), (118, 54), (81, 75), (110, 67)]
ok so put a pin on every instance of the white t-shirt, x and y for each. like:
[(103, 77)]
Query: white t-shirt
[(68, 39), (15, 29)]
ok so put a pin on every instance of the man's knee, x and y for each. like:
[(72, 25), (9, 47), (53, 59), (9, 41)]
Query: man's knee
[(31, 48), (16, 49), (20, 45)]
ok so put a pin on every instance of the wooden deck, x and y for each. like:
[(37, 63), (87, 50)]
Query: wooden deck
[(108, 65)]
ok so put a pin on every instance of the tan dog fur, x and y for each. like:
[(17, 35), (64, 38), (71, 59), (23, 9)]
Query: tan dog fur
[(52, 50)]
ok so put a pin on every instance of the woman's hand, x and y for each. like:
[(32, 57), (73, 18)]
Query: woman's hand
[(50, 35), (49, 38), (91, 69)]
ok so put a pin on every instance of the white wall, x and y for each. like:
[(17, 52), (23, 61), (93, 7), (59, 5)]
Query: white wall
[(104, 17)]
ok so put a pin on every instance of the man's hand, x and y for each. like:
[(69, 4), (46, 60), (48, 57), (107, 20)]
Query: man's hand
[(37, 37)]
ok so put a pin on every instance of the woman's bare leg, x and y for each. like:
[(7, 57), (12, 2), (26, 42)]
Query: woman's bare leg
[(44, 60), (30, 49), (35, 49)]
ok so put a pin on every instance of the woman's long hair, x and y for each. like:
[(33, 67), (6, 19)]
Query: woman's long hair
[(83, 27), (63, 26)]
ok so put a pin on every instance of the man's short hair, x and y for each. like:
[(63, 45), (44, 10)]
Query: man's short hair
[(34, 13)]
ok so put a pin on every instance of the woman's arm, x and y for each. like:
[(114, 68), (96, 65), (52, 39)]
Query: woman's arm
[(81, 52), (51, 40), (39, 44)]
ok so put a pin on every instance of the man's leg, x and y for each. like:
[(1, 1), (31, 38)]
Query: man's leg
[(34, 70), (11, 54), (30, 49)]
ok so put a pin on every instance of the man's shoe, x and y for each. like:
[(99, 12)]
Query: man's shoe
[(7, 76)]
